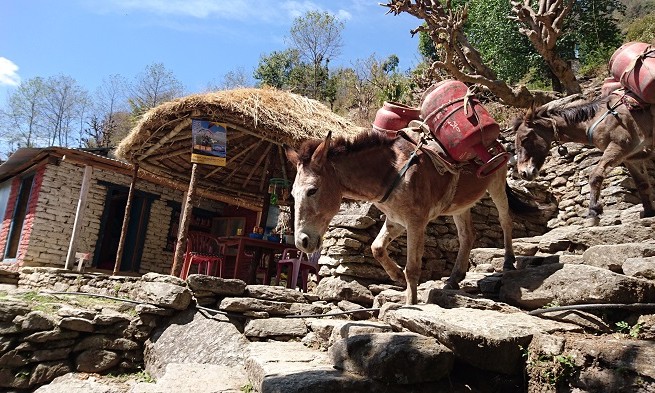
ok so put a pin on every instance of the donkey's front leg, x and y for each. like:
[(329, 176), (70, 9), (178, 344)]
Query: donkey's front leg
[(415, 247), (466, 236), (390, 230)]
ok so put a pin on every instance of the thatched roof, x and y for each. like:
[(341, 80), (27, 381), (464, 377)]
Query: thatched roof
[(259, 122)]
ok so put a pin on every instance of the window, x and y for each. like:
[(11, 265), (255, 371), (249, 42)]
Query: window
[(13, 240)]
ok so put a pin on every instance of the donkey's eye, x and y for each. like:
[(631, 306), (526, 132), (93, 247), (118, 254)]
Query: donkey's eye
[(311, 191)]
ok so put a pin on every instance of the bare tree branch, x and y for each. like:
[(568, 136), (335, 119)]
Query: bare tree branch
[(543, 28), (459, 58)]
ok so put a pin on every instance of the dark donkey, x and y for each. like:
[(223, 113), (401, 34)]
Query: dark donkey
[(613, 124)]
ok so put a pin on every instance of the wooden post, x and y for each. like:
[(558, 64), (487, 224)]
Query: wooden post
[(126, 221), (180, 246), (79, 216)]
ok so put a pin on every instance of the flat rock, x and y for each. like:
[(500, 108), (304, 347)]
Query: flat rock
[(486, 339), (572, 284), (196, 378), (290, 367), (275, 328), (194, 337), (612, 256), (640, 267), (275, 293), (328, 331), (216, 285)]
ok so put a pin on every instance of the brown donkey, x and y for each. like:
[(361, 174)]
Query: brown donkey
[(369, 168), (612, 124)]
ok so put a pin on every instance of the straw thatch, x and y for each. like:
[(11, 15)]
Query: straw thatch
[(259, 123)]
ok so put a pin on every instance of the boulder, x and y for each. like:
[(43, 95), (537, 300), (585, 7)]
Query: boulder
[(394, 358), (165, 294), (333, 289)]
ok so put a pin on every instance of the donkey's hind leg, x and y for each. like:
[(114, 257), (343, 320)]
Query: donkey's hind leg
[(498, 191), (466, 236), (390, 230), (639, 174)]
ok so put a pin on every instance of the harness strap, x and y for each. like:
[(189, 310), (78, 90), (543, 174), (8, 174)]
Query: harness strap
[(410, 161), (610, 110), (633, 63)]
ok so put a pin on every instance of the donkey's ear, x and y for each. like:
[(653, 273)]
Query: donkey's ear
[(530, 113), (320, 154), (292, 155)]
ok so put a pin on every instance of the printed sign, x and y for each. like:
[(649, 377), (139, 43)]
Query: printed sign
[(209, 142)]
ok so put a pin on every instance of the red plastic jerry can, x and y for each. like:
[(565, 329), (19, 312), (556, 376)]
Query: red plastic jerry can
[(633, 64), (463, 126)]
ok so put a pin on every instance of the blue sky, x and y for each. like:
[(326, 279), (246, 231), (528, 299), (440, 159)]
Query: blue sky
[(198, 40)]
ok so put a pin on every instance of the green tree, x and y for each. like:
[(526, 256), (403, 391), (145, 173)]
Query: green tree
[(592, 33), (275, 69), (642, 29), (507, 52), (316, 36)]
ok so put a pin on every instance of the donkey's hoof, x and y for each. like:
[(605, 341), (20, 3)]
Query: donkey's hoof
[(508, 267), (647, 214), (592, 221), (451, 285)]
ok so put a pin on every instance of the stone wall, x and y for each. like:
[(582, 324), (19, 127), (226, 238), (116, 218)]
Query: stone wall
[(42, 337), (54, 216)]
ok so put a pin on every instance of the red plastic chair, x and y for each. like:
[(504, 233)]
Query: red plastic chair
[(308, 265), (298, 263), (205, 251), (291, 258)]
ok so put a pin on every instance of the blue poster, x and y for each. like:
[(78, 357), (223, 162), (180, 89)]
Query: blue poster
[(209, 142)]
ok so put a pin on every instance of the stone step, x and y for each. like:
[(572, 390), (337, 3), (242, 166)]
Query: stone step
[(197, 378)]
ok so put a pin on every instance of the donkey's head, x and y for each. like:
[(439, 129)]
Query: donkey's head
[(316, 191), (533, 137)]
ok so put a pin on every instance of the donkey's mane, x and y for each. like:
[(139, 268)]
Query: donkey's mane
[(571, 114), (342, 146)]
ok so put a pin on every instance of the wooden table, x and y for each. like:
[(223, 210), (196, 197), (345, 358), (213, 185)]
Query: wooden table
[(259, 247)]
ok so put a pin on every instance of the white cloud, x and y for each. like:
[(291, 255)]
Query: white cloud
[(8, 73), (261, 10)]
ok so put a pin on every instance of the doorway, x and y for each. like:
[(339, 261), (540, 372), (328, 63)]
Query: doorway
[(111, 225)]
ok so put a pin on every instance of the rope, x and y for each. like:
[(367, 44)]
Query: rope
[(210, 310), (633, 306)]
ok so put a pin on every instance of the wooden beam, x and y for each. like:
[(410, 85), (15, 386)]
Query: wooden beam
[(254, 168), (231, 159), (185, 220), (183, 124), (177, 185), (126, 221), (250, 153), (79, 216), (262, 181), (257, 135), (283, 163), (152, 173)]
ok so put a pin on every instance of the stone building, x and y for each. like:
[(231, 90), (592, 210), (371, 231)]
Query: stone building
[(39, 194)]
